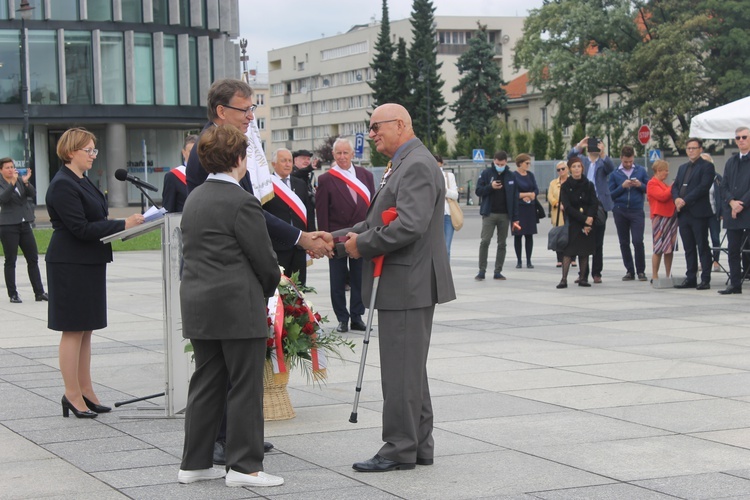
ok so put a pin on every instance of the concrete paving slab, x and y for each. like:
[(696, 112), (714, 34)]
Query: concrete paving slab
[(617, 491), (700, 486), (659, 369), (726, 385)]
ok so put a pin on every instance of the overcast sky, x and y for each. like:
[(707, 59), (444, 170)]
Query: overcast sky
[(272, 24)]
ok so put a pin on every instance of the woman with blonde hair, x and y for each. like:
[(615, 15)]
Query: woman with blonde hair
[(553, 197), (663, 218), (77, 267)]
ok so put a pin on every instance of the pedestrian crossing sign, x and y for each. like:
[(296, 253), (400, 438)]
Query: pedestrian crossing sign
[(478, 155), (654, 155)]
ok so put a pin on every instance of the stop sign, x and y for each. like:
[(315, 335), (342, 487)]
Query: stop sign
[(644, 134)]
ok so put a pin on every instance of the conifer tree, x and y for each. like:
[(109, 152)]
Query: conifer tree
[(383, 87)]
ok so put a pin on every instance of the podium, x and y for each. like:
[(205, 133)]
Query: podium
[(178, 365)]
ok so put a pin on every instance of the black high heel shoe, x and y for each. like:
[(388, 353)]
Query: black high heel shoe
[(67, 407), (95, 407)]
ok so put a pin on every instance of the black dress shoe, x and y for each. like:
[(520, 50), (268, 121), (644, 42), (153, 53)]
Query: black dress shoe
[(730, 290), (15, 299), (425, 461), (267, 447), (687, 284), (67, 407), (359, 326), (42, 297), (380, 464), (703, 285), (342, 328), (95, 407)]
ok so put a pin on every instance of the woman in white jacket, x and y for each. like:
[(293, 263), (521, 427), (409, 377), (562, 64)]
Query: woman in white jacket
[(451, 191)]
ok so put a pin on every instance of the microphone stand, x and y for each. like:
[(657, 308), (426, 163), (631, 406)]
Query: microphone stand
[(143, 193)]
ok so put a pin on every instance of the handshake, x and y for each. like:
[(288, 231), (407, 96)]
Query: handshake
[(317, 244)]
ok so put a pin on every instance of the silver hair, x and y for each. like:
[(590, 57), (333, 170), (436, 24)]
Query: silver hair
[(276, 154), (740, 129), (342, 140)]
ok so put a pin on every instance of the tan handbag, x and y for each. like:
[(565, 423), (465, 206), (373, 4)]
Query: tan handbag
[(457, 215)]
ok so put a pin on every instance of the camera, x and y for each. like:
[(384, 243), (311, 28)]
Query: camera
[(593, 144)]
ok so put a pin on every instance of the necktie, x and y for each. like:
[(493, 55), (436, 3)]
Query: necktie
[(286, 181), (386, 173)]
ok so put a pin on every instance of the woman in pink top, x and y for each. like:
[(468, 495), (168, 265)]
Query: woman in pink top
[(663, 219)]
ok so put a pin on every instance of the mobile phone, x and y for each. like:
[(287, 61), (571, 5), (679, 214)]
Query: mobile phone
[(21, 171), (593, 145)]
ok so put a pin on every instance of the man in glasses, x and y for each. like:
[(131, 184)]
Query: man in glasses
[(690, 192), (416, 275), (230, 102), (735, 192)]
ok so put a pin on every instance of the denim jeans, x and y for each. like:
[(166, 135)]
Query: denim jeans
[(448, 228)]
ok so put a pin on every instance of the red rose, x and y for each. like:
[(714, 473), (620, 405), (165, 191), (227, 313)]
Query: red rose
[(308, 329), (269, 342)]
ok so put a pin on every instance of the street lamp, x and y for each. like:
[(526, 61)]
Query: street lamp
[(24, 11), (424, 77)]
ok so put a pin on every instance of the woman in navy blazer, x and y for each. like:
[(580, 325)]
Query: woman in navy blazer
[(77, 266)]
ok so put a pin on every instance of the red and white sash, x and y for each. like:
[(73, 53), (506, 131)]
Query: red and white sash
[(179, 172), (289, 197), (352, 181)]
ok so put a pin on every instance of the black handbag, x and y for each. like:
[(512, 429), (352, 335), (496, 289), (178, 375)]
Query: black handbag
[(539, 210), (557, 238), (601, 215)]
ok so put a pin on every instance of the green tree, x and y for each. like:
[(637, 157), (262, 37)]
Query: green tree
[(441, 146), (539, 144), (506, 141), (384, 85), (557, 147), (481, 96), (377, 159), (521, 141), (325, 151), (427, 104), (578, 134), (728, 45), (401, 75)]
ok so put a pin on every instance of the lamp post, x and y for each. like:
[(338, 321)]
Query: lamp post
[(424, 77), (24, 11), (244, 58)]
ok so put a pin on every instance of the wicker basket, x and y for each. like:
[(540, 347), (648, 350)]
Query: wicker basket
[(276, 402)]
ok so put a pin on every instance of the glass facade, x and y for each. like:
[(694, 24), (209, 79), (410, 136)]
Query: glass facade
[(43, 83), (193, 46), (113, 68), (79, 71), (184, 12), (99, 10), (38, 12), (64, 10), (171, 83), (132, 11), (10, 71), (161, 11), (144, 69)]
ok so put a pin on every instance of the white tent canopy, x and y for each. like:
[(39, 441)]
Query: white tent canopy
[(721, 122)]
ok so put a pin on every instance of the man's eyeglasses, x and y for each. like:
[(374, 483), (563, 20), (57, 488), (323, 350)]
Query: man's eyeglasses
[(561, 169), (91, 152), (738, 137), (691, 148), (376, 126), (245, 111)]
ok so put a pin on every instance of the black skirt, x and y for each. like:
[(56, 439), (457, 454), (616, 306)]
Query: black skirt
[(77, 296)]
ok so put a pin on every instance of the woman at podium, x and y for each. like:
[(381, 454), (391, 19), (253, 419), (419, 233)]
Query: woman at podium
[(77, 267), (229, 270)]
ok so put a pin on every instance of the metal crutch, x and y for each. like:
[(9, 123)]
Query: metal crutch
[(388, 216)]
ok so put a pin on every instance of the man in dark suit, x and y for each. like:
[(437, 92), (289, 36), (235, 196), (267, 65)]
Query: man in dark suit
[(174, 193), (690, 192), (15, 229), (292, 205), (343, 195), (416, 275), (735, 192), (303, 169)]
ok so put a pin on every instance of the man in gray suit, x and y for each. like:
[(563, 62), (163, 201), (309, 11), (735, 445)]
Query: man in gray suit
[(416, 276)]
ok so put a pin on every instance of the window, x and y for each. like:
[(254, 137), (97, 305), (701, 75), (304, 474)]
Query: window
[(356, 102), (184, 12), (79, 72), (10, 54), (261, 122), (525, 124), (171, 83), (132, 11), (323, 106), (277, 89), (43, 83), (335, 104), (38, 13), (279, 135), (347, 50), (260, 99), (301, 133), (301, 66), (304, 109), (161, 11), (544, 118), (99, 10), (144, 68), (113, 68), (63, 10), (3, 10), (193, 49)]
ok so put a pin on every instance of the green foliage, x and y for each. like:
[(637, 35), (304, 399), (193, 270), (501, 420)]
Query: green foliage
[(426, 105), (521, 141), (557, 147), (384, 85), (401, 75), (577, 135), (506, 142), (481, 96), (441, 146), (377, 159), (148, 241), (539, 144)]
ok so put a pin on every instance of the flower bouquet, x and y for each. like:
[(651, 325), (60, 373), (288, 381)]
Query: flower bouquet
[(297, 338)]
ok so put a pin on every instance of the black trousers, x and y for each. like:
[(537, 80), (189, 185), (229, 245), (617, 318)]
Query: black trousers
[(597, 259), (338, 271), (694, 235), (12, 237), (738, 261)]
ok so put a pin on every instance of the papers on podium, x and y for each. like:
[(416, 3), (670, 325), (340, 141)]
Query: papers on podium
[(154, 213)]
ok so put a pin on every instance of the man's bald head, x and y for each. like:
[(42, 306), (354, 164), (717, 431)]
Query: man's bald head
[(390, 127)]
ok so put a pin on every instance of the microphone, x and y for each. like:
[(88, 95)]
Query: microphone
[(122, 175)]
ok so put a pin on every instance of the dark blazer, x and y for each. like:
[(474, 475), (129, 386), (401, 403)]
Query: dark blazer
[(334, 204), (281, 233), (78, 213), (484, 191), (14, 207), (697, 200), (606, 167), (277, 207), (173, 194), (229, 264), (736, 186), (416, 272)]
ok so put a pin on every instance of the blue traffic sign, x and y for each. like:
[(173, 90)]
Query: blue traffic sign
[(359, 145), (477, 156), (654, 154)]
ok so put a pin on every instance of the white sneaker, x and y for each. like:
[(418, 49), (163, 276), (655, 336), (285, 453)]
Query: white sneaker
[(191, 476), (235, 478)]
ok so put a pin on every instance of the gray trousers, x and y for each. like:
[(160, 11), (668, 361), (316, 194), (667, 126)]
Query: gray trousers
[(404, 339), (489, 224)]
